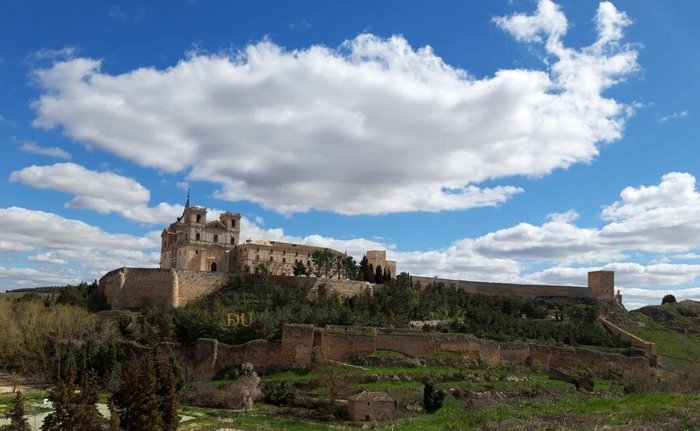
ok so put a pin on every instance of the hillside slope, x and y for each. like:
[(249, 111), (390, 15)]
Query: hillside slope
[(674, 327)]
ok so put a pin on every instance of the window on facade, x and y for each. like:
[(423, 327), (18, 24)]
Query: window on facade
[(196, 237), (233, 223), (216, 238), (199, 218), (284, 251), (270, 258), (284, 260), (233, 240), (196, 252)]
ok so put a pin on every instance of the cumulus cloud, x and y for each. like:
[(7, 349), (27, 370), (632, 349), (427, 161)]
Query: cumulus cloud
[(564, 249), (659, 218), (664, 217), (104, 192), (64, 250), (34, 148), (373, 126)]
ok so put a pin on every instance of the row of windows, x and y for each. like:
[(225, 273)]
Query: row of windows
[(284, 260), (284, 252)]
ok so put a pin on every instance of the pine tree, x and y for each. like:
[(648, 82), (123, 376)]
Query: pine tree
[(147, 395), (85, 413), (147, 416), (299, 269), (126, 397), (16, 416), (364, 269), (74, 406)]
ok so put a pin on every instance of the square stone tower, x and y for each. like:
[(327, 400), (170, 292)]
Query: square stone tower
[(601, 284)]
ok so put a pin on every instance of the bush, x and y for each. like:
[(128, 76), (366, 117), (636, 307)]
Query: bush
[(277, 394), (668, 299)]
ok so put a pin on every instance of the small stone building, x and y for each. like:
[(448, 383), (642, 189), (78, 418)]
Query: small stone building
[(370, 405)]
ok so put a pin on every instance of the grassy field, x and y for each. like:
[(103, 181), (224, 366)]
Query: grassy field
[(674, 328)]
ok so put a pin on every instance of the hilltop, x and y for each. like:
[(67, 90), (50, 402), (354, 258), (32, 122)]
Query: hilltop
[(674, 327)]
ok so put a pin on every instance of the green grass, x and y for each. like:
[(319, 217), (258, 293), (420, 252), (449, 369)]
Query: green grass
[(677, 350)]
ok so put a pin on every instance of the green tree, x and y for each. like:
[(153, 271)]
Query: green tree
[(668, 299), (349, 267), (16, 416), (167, 376), (299, 269), (75, 406), (379, 275), (432, 399), (324, 262), (365, 270), (146, 399)]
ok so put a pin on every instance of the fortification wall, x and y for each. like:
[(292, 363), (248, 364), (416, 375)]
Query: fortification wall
[(298, 344), (338, 346), (138, 287), (623, 335), (302, 345), (506, 289), (415, 345), (344, 288), (193, 285)]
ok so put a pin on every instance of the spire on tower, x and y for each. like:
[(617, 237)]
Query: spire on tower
[(187, 204)]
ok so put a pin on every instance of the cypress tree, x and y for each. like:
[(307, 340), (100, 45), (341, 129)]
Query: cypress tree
[(379, 275), (74, 406), (167, 392), (16, 416), (365, 270)]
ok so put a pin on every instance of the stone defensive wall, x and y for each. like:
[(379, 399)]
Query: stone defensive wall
[(303, 345), (508, 289), (138, 287), (623, 335)]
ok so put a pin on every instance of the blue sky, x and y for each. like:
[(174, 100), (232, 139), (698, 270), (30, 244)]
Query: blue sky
[(515, 140)]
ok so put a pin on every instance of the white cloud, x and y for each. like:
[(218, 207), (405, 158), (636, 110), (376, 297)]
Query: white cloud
[(549, 20), (374, 126), (34, 148), (104, 192), (673, 116), (658, 218), (65, 250)]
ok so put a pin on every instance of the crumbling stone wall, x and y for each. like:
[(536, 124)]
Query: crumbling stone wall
[(302, 345)]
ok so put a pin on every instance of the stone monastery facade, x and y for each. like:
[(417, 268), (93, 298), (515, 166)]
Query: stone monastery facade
[(193, 243)]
